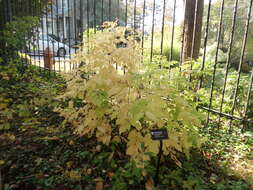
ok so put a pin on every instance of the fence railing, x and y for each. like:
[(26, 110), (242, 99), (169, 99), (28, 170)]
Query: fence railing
[(222, 30)]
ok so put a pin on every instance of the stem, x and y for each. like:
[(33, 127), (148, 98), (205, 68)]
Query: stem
[(158, 163)]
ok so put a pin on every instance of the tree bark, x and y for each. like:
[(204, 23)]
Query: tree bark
[(190, 48)]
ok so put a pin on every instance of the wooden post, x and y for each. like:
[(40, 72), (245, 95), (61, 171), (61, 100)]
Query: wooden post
[(48, 58)]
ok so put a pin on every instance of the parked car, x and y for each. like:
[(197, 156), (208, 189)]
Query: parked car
[(41, 42)]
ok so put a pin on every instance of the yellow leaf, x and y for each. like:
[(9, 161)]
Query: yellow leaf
[(151, 116), (133, 135), (3, 106), (71, 142), (132, 150), (74, 175), (116, 139), (124, 125), (54, 138), (69, 164), (178, 163), (137, 125), (12, 137), (114, 90), (151, 146), (2, 162), (103, 133)]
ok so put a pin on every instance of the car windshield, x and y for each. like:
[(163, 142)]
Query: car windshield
[(54, 37), (45, 37)]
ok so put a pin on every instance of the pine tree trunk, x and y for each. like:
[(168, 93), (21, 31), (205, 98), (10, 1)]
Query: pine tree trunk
[(189, 29)]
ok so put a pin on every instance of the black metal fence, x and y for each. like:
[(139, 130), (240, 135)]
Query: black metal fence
[(226, 45)]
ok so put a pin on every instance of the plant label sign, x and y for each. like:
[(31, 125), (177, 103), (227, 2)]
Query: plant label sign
[(159, 134)]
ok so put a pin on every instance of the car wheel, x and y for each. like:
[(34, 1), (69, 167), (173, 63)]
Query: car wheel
[(61, 52)]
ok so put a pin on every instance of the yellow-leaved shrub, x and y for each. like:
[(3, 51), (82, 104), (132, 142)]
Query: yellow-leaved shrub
[(121, 103)]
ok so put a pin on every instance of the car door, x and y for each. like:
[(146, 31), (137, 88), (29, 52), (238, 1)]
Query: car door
[(52, 45)]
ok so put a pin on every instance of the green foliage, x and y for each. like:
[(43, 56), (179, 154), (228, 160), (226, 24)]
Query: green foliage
[(193, 73), (15, 34), (166, 43), (23, 99), (240, 24), (14, 38), (122, 101)]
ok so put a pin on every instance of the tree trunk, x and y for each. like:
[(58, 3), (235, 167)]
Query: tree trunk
[(190, 6)]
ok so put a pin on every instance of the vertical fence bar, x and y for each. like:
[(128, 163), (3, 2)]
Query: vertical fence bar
[(24, 13), (36, 38), (27, 9), (241, 61), (75, 24), (143, 26), (205, 42), (47, 31), (52, 25), (81, 29), (9, 10), (162, 33), (81, 17), (126, 9), (22, 9), (228, 57), (2, 14), (153, 30), (31, 39), (110, 10), (182, 42), (118, 8), (215, 61), (194, 29), (42, 35), (88, 24), (75, 30), (248, 98), (8, 14), (27, 36), (134, 15), (13, 10), (102, 12), (94, 15), (194, 35), (2, 22), (69, 34), (6, 10), (173, 31), (64, 36), (58, 30), (19, 8)]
